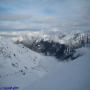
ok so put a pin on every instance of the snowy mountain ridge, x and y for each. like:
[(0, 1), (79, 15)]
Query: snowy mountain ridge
[(55, 43), (59, 45)]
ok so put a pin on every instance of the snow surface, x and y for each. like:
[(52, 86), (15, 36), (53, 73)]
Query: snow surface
[(29, 70), (74, 75)]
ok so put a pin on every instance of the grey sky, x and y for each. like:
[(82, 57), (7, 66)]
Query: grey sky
[(43, 14)]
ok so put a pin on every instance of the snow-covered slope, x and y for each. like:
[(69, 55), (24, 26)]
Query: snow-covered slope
[(21, 65)]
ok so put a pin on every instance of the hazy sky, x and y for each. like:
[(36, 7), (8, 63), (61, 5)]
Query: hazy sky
[(43, 14)]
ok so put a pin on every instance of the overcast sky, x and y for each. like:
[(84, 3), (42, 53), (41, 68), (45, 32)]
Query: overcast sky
[(43, 14)]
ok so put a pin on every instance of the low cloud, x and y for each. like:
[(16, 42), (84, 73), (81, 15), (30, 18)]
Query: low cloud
[(27, 22), (14, 17)]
